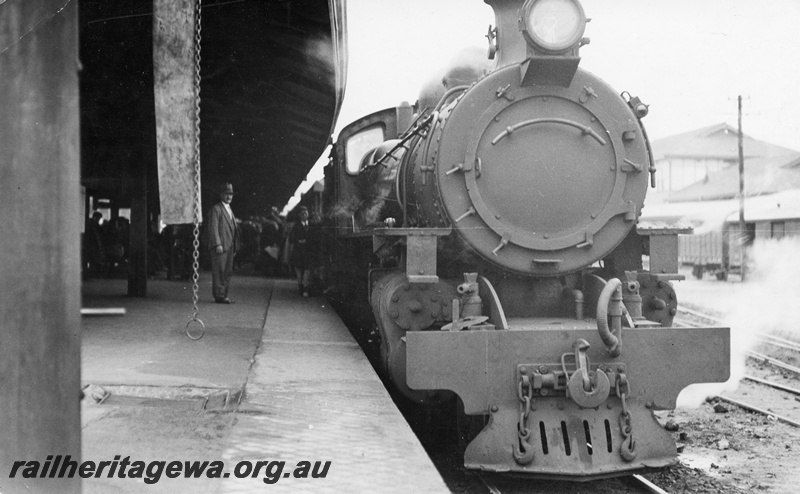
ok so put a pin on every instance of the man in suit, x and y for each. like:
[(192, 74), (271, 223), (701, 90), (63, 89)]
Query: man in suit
[(223, 240)]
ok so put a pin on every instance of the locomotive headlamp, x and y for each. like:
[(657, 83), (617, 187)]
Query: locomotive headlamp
[(553, 27)]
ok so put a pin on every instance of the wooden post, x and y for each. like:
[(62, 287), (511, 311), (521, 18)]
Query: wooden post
[(742, 224), (137, 244), (40, 303)]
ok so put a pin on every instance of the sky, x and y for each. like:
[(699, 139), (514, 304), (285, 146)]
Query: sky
[(687, 59)]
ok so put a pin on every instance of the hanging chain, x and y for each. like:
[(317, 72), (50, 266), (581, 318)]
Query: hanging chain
[(628, 447), (196, 241), (522, 449)]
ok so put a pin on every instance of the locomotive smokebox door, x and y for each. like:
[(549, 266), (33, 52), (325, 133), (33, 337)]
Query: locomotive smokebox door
[(542, 180)]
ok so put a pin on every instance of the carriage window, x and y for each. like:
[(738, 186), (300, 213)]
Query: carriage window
[(359, 144)]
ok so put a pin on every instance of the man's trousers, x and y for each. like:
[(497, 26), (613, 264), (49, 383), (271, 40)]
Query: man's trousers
[(221, 271)]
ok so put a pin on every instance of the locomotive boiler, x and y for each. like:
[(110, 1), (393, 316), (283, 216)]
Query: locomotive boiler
[(491, 231)]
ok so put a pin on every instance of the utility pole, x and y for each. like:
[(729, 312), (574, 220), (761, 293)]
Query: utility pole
[(742, 224)]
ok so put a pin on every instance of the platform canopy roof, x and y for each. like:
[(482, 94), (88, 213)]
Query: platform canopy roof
[(272, 83)]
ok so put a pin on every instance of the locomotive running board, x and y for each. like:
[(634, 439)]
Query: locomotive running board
[(569, 441)]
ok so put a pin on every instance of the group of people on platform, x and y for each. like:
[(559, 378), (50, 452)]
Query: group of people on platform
[(267, 242), (105, 245)]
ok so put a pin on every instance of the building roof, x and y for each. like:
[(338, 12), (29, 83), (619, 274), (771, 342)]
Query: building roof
[(719, 142), (762, 176), (768, 168)]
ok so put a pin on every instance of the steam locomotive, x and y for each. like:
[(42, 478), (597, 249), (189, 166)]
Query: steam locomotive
[(491, 230)]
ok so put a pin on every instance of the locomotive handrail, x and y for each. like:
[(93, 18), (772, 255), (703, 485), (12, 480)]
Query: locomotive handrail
[(401, 143), (447, 95), (652, 168), (412, 131), (398, 232), (416, 129), (586, 130)]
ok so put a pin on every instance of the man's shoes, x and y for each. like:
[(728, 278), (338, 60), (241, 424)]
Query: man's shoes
[(225, 300)]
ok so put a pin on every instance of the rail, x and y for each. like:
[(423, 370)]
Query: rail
[(771, 384), (764, 337), (773, 361), (748, 406), (752, 408), (637, 481), (647, 485)]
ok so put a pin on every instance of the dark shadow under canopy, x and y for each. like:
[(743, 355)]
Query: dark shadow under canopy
[(268, 98)]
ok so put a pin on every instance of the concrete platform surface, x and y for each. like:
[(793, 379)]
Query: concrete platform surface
[(312, 396), (276, 379), (148, 347)]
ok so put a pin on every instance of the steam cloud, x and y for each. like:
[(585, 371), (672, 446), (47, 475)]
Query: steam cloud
[(763, 304)]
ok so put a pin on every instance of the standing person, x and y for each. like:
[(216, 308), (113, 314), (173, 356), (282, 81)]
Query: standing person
[(299, 253), (314, 246), (95, 247), (223, 240), (272, 238)]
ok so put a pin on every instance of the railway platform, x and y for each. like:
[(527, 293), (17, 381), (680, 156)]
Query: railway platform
[(276, 379)]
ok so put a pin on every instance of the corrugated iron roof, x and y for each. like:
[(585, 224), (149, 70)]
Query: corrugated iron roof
[(768, 168), (718, 141), (762, 176)]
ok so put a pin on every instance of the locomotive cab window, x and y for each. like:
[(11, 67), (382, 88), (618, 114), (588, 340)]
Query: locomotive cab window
[(359, 144)]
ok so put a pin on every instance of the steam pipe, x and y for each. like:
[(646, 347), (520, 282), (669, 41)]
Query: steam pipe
[(578, 304), (610, 303), (577, 298)]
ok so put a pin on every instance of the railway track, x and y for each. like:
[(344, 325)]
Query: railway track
[(776, 341), (763, 337), (636, 483), (647, 485)]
